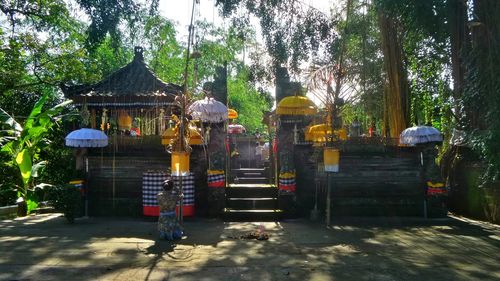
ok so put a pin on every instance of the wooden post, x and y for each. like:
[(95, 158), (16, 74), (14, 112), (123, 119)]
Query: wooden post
[(328, 199), (92, 118), (331, 160)]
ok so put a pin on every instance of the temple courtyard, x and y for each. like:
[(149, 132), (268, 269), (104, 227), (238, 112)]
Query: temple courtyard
[(46, 247)]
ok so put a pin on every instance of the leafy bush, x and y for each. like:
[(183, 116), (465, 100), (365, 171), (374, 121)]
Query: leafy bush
[(66, 199), (22, 143), (7, 195), (10, 180), (60, 167)]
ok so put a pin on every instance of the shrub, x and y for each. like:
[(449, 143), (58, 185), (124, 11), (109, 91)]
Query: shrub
[(66, 199)]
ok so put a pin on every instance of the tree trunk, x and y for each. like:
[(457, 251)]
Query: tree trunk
[(459, 38), (22, 209), (460, 46), (485, 33), (397, 95)]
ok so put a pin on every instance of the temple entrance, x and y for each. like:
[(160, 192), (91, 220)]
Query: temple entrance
[(251, 192), (248, 152)]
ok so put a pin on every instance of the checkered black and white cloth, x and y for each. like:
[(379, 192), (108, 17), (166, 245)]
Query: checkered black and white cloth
[(187, 187), (152, 184)]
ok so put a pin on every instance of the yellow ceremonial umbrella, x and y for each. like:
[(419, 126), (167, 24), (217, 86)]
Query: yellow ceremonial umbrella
[(194, 136), (232, 114), (319, 133), (296, 105), (171, 134)]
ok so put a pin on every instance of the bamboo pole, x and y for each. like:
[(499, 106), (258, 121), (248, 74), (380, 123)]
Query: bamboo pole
[(183, 103), (328, 198), (333, 109)]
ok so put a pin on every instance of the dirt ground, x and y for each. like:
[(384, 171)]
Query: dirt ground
[(45, 247)]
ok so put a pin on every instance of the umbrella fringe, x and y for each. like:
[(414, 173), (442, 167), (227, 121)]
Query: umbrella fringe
[(296, 111)]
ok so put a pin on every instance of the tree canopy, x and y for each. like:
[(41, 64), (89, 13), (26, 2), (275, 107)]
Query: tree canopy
[(438, 60), (393, 63), (44, 44)]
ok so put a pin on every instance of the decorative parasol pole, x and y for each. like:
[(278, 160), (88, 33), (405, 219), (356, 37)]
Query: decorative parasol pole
[(183, 104), (334, 111)]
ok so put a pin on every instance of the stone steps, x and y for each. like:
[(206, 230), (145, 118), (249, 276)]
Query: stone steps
[(252, 200), (250, 180)]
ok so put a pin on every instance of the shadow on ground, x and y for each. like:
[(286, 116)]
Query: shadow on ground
[(47, 248)]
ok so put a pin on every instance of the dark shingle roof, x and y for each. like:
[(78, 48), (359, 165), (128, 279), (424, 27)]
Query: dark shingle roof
[(135, 80)]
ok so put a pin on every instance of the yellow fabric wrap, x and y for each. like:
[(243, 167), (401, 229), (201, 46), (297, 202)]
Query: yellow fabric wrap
[(287, 175), (215, 172), (435, 185)]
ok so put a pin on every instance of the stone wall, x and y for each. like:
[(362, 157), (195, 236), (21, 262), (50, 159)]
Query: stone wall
[(378, 181), (115, 182), (468, 198)]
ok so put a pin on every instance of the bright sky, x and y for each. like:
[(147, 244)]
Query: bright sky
[(180, 11)]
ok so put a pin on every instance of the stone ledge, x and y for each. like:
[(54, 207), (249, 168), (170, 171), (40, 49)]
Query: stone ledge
[(8, 210)]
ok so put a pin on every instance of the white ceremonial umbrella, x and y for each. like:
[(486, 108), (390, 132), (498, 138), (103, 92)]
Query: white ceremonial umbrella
[(420, 134), (236, 129), (208, 110), (86, 138)]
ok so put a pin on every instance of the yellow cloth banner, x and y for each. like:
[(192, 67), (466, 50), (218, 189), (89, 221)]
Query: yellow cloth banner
[(180, 163), (331, 158)]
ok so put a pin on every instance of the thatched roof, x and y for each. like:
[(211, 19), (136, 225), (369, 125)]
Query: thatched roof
[(134, 83)]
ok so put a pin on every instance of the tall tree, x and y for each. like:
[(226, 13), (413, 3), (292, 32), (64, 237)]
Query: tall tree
[(460, 44), (396, 95), (482, 92)]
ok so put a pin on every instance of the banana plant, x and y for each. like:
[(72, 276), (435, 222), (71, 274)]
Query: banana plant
[(23, 141)]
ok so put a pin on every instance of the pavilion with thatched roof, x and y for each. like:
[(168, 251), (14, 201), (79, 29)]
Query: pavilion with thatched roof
[(131, 97), (133, 107), (133, 85)]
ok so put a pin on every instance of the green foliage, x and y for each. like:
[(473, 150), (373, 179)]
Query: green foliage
[(475, 108), (293, 31), (248, 102), (481, 98), (363, 65), (418, 17), (10, 181), (105, 16), (60, 162), (217, 46), (32, 204), (429, 86), (66, 199), (44, 43), (41, 14), (106, 59), (165, 53), (23, 146)]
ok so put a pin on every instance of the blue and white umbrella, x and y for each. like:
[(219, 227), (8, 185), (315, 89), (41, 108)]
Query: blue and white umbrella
[(86, 138), (420, 134)]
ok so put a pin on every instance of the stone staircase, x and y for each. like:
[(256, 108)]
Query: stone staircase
[(250, 196)]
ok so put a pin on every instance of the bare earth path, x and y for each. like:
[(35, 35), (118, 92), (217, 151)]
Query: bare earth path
[(45, 247)]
